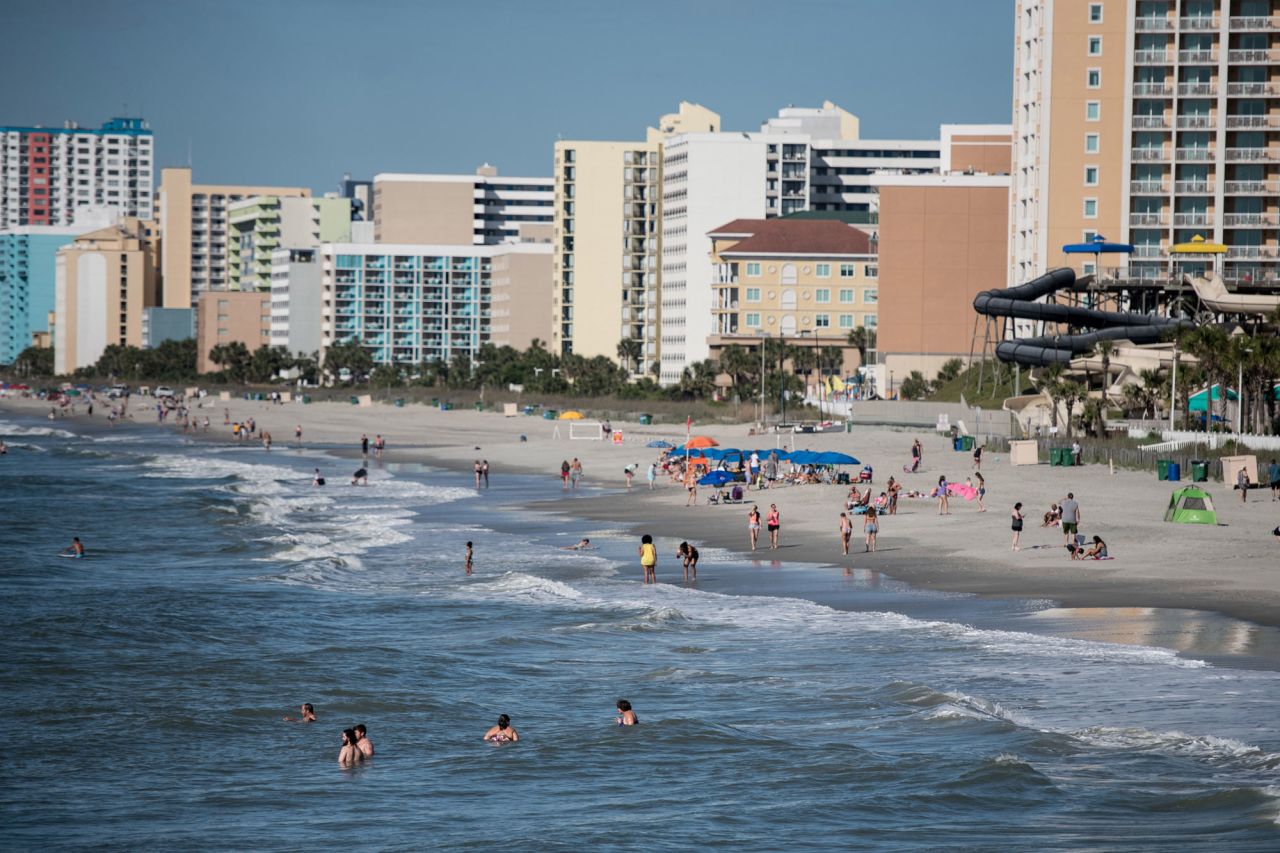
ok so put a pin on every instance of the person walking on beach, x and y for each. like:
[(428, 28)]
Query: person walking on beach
[(943, 508), (226, 417), (564, 474), (774, 522), (977, 456), (652, 474), (476, 469), (982, 491), (893, 487), (1017, 525), (364, 445), (846, 532), (917, 455), (1242, 483), (690, 556), (575, 473), (1069, 512), (206, 421), (649, 559), (484, 471), (1075, 453), (870, 527), (297, 434), (379, 445), (1275, 479), (691, 484), (468, 558), (362, 740), (753, 526)]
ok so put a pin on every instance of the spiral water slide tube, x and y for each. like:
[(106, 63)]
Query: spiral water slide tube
[(1020, 303)]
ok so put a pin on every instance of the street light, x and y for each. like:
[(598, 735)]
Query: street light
[(763, 335)]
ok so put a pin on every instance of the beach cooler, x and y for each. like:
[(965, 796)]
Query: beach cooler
[(1175, 472), (1162, 468)]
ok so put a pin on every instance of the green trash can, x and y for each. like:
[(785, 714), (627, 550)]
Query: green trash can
[(550, 415), (399, 402), (848, 426), (479, 406), (966, 443), (446, 407), (1199, 471), (1162, 468), (355, 401), (435, 401), (1055, 455), (646, 419), (306, 399)]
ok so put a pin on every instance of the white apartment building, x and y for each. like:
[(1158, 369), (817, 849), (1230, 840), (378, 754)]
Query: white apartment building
[(47, 173), (409, 303), (296, 300)]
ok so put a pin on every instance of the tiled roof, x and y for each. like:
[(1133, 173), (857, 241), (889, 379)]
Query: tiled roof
[(794, 237)]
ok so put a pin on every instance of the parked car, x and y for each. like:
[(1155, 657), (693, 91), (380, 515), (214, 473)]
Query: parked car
[(164, 391), (118, 391)]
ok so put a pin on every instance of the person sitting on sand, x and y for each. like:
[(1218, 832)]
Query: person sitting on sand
[(308, 715), (626, 716), (1098, 551), (350, 754), (502, 732), (853, 499), (1052, 517), (362, 740)]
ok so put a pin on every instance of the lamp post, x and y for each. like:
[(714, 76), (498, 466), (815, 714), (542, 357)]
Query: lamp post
[(1244, 351), (1173, 386), (763, 335)]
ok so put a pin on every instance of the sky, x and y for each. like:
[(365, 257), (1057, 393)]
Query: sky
[(297, 92)]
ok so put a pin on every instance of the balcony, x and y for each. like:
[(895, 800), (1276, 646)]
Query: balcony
[(1147, 220), (1254, 23), (1150, 155), (1148, 188), (1252, 252), (1255, 56), (1253, 187), (1197, 57), (1195, 122), (1253, 122), (1152, 57), (1253, 155), (1148, 252), (1195, 155), (1187, 220), (1252, 220), (1252, 89), (1193, 187), (1199, 23), (1153, 24), (1152, 122), (1197, 90)]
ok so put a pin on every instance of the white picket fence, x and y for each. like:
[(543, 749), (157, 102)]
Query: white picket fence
[(1177, 439)]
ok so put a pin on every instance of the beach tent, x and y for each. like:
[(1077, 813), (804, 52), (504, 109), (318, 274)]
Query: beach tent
[(1190, 505), (571, 416)]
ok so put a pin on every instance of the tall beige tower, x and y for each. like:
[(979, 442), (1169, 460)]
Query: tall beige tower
[(1150, 122)]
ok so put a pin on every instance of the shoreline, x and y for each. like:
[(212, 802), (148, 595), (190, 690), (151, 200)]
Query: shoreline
[(1157, 565)]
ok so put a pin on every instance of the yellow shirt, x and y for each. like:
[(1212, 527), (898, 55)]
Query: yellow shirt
[(648, 554)]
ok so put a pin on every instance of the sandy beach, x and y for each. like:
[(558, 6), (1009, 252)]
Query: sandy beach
[(1233, 569)]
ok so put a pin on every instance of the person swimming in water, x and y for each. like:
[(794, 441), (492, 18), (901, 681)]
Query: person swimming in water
[(350, 754), (584, 545), (626, 716), (468, 560), (75, 549), (308, 715), (362, 740), (502, 732)]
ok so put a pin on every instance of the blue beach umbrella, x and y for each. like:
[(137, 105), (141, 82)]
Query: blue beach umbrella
[(1098, 246), (660, 444), (716, 478), (830, 457), (805, 457)]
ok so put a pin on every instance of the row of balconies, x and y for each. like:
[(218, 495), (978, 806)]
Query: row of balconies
[(1234, 188), (1233, 252), (1198, 155), (1162, 24), (1207, 122), (1237, 89), (1190, 220)]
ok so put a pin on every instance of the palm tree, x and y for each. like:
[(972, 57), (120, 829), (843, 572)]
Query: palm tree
[(741, 366), (1104, 349), (629, 352), (863, 339), (1071, 392), (1210, 346)]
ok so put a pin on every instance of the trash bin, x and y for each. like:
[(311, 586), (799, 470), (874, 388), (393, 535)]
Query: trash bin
[(355, 401), (848, 426), (446, 407), (1055, 455), (1199, 471), (399, 402), (435, 401), (967, 443), (306, 399), (479, 406), (957, 443), (1175, 472), (528, 410), (646, 419), (550, 415), (1162, 468)]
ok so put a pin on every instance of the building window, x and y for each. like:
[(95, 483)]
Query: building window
[(822, 294), (822, 321), (824, 270), (1090, 176), (871, 296), (1091, 143), (1095, 13), (1095, 45), (847, 271), (753, 294), (872, 271), (846, 321), (753, 269), (1090, 208), (869, 321), (752, 321), (1092, 110), (1088, 235), (846, 294), (1093, 78)]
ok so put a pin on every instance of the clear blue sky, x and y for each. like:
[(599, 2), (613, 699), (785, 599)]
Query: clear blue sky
[(296, 92)]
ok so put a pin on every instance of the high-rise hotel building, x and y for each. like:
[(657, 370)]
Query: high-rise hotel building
[(46, 173), (1150, 122)]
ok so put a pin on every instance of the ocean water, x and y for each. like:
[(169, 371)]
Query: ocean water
[(146, 683)]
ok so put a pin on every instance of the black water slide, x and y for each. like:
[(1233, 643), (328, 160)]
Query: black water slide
[(1019, 303)]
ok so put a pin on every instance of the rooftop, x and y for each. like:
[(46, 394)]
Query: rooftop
[(793, 237)]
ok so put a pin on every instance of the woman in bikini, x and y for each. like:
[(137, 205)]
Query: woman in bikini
[(846, 532), (753, 526), (502, 732), (982, 491), (774, 522), (626, 716)]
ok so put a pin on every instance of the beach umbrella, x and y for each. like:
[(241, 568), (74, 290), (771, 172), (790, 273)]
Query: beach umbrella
[(660, 444), (1197, 245), (715, 478), (804, 457), (571, 416), (1098, 246), (830, 457), (701, 441)]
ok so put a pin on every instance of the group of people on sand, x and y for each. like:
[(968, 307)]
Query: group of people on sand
[(356, 746)]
